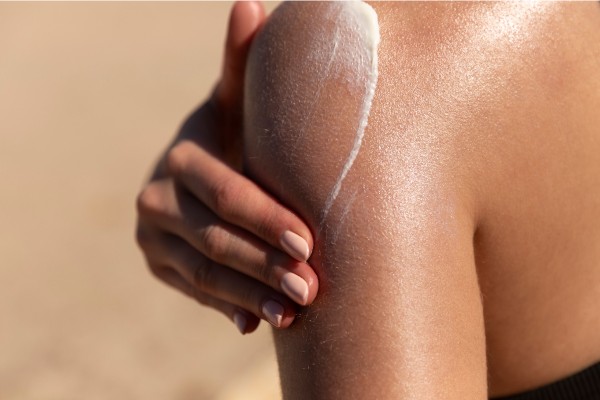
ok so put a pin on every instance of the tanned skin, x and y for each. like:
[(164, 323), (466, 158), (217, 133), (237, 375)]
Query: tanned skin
[(461, 259)]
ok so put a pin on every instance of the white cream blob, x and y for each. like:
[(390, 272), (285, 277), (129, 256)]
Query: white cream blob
[(358, 19)]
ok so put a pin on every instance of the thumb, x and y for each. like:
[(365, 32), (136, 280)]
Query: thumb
[(245, 19)]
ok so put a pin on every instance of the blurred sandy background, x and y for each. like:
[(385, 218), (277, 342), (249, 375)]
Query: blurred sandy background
[(89, 95)]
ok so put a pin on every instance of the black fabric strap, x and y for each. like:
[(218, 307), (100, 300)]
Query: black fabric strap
[(584, 385)]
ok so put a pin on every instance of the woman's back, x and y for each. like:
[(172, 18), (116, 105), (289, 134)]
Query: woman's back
[(464, 240)]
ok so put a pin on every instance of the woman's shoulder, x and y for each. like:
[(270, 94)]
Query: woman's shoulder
[(494, 102)]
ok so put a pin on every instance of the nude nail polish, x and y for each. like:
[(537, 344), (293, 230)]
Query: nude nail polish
[(240, 322), (295, 245), (274, 312), (295, 287)]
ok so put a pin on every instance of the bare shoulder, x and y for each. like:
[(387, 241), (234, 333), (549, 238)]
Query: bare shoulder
[(486, 81), (393, 241), (482, 144), (506, 97)]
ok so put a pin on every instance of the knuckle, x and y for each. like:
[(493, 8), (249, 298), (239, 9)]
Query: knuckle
[(215, 242), (156, 271), (264, 273), (198, 295), (204, 278), (142, 238), (224, 197), (267, 224), (249, 296), (150, 200), (202, 298), (177, 159)]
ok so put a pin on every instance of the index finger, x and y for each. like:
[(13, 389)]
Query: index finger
[(238, 200)]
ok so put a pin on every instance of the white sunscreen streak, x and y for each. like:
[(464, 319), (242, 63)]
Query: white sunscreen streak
[(364, 18), (342, 218)]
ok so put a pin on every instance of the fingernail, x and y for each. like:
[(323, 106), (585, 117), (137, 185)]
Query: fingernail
[(240, 322), (294, 245), (274, 312), (295, 287)]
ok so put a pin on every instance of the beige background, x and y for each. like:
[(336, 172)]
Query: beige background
[(89, 95)]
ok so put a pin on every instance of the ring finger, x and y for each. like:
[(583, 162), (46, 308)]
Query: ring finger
[(208, 278)]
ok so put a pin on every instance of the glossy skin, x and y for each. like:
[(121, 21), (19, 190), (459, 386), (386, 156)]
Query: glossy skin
[(461, 258)]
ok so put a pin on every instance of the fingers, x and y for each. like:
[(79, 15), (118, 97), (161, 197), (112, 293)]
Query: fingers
[(244, 321), (244, 21), (238, 200), (221, 238), (227, 244), (234, 294)]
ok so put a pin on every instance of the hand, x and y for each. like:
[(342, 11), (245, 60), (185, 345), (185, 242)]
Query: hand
[(209, 231)]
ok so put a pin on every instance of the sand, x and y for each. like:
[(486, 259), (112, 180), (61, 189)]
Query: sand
[(89, 95)]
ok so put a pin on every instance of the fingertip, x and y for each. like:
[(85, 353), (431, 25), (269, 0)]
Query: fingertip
[(240, 321), (252, 324), (244, 20), (274, 312), (296, 225), (313, 287), (295, 237), (278, 312), (295, 287), (252, 10), (287, 320), (306, 273), (295, 245), (312, 278), (245, 322)]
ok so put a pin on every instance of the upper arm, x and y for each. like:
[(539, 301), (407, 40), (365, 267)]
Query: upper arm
[(399, 313)]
